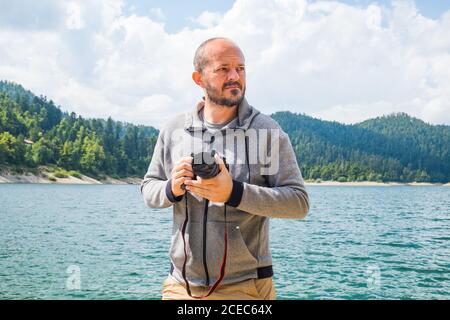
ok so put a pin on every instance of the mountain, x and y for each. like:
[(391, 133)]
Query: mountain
[(395, 147)]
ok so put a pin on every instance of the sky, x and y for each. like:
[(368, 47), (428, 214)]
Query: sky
[(346, 60)]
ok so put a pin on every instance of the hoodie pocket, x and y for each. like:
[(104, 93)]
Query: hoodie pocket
[(239, 258), (194, 263)]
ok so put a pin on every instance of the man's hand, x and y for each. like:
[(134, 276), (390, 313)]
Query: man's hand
[(181, 172), (217, 189)]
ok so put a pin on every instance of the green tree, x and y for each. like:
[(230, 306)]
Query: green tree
[(10, 149), (41, 152), (93, 154)]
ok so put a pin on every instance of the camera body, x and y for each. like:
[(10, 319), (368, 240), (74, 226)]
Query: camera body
[(204, 165)]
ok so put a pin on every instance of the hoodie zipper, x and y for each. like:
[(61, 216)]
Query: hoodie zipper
[(205, 219)]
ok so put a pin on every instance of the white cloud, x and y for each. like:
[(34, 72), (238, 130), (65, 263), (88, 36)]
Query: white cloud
[(326, 59), (373, 17), (74, 19), (158, 14), (149, 109), (207, 19)]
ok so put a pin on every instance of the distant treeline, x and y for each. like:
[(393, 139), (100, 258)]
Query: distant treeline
[(397, 147), (33, 131)]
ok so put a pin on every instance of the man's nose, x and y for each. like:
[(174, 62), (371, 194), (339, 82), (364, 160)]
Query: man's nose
[(232, 75)]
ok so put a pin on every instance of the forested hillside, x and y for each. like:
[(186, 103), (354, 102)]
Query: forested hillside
[(395, 147), (33, 131)]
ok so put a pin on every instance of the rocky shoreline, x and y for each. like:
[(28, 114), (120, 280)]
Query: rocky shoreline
[(45, 179), (83, 179)]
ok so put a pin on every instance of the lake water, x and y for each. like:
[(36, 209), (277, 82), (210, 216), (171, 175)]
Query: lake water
[(101, 242)]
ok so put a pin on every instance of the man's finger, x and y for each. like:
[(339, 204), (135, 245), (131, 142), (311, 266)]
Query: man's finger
[(181, 166), (183, 173), (197, 191), (180, 180), (202, 182), (187, 160), (196, 186), (184, 165), (220, 162)]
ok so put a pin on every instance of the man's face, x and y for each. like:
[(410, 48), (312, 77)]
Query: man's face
[(224, 75)]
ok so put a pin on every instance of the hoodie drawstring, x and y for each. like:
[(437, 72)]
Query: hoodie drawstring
[(247, 158)]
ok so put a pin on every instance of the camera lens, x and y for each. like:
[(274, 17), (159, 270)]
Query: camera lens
[(204, 165)]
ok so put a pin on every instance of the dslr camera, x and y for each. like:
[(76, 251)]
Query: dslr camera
[(204, 165)]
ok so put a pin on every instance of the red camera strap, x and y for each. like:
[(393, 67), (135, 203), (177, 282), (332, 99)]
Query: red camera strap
[(224, 257)]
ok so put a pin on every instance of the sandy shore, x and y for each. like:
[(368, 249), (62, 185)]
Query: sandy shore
[(33, 178), (43, 178)]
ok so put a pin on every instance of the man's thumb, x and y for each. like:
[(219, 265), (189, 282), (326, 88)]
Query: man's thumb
[(220, 162)]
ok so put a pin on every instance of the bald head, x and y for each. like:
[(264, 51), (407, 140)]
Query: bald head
[(211, 48), (220, 72)]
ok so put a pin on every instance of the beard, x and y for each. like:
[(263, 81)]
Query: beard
[(215, 97)]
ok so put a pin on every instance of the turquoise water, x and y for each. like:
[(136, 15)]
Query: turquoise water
[(356, 243)]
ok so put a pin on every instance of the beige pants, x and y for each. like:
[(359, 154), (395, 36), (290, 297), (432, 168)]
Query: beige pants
[(252, 289)]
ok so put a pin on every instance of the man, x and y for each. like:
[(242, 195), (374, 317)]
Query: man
[(220, 239)]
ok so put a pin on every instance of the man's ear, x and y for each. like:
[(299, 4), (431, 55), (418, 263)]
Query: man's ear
[(197, 77)]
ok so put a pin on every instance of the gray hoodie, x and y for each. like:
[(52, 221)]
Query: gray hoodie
[(267, 182)]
